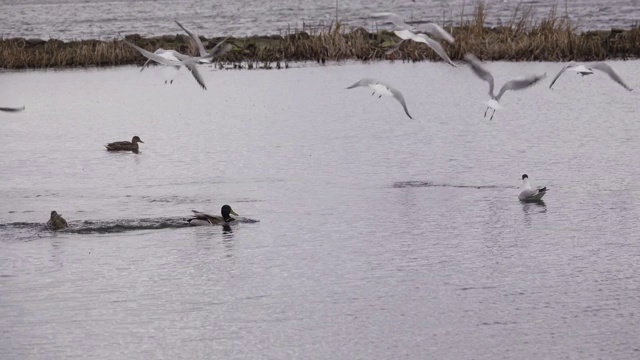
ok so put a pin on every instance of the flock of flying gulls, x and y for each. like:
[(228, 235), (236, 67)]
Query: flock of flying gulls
[(420, 34)]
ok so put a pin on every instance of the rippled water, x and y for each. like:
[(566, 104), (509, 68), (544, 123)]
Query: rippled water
[(378, 236), (103, 19)]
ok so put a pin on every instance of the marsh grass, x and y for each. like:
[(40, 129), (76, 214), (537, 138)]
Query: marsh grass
[(522, 38)]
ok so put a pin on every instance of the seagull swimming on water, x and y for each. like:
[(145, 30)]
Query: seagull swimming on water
[(588, 70), (380, 89), (11, 109), (528, 194), (485, 75)]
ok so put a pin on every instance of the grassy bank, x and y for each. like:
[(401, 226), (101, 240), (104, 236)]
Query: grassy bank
[(522, 39)]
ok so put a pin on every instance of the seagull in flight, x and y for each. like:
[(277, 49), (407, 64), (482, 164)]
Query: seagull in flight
[(485, 75), (417, 34), (528, 194), (204, 57), (428, 28), (421, 38), (588, 70), (189, 62), (380, 89)]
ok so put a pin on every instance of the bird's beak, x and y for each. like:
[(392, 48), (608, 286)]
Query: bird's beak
[(234, 213), (141, 141)]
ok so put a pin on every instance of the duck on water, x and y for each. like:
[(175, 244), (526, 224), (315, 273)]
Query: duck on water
[(200, 218), (125, 145)]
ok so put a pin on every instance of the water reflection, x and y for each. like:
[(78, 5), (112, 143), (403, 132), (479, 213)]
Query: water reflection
[(56, 254), (533, 207)]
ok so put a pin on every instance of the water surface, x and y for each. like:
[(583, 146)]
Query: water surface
[(378, 236)]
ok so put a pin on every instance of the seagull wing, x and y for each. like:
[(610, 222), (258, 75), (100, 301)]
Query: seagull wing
[(192, 66), (394, 48), (363, 82), (388, 17), (526, 194), (520, 84), (155, 57), (221, 48), (479, 70), (436, 47), (160, 52), (195, 38), (604, 67), (398, 96), (564, 68), (146, 63), (11, 109), (436, 30), (408, 35)]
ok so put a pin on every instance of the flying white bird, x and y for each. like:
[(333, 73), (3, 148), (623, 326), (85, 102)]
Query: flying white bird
[(485, 75), (380, 89), (422, 38), (204, 57), (429, 28), (588, 70), (190, 62), (11, 109), (528, 194), (417, 34)]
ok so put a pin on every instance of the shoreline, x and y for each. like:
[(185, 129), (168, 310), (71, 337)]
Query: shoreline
[(522, 39)]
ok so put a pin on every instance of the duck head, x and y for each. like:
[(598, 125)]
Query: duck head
[(136, 139), (226, 210)]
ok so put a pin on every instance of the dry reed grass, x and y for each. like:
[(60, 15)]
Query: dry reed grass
[(523, 38)]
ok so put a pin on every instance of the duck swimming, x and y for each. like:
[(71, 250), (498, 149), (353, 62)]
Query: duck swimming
[(57, 222), (125, 145), (201, 218)]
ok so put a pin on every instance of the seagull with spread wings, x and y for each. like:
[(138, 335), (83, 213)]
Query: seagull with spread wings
[(484, 74), (380, 89), (417, 34), (588, 70), (189, 62)]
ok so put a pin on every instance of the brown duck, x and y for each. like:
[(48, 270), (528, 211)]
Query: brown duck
[(125, 145), (57, 222)]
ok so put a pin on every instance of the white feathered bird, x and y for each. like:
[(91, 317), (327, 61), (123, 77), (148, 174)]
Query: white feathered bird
[(484, 74), (417, 34), (380, 89), (588, 70), (528, 194), (189, 62)]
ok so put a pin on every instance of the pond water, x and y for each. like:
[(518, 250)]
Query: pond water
[(365, 234)]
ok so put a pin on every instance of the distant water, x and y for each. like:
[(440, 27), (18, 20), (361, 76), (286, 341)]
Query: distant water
[(103, 19), (379, 237)]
